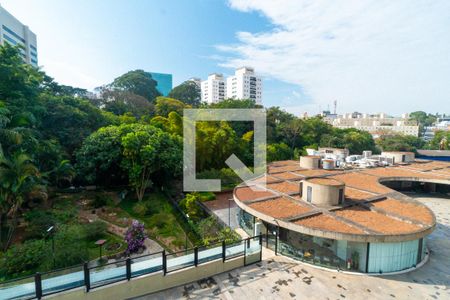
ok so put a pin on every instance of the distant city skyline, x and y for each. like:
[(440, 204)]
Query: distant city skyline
[(370, 56)]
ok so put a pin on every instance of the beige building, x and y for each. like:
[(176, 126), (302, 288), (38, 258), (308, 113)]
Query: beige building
[(377, 124)]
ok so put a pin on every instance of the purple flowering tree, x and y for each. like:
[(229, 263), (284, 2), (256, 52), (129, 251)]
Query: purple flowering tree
[(135, 237)]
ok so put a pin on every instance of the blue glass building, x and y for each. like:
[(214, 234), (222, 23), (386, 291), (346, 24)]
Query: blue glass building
[(164, 82)]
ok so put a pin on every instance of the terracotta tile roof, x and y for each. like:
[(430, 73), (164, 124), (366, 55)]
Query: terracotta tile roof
[(246, 194), (376, 221), (325, 181), (285, 187), (316, 172), (409, 210), (273, 170), (280, 208), (287, 176), (357, 195), (399, 172), (326, 222), (362, 181)]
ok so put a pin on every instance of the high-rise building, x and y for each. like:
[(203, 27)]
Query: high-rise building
[(13, 32), (164, 82), (213, 88), (245, 84)]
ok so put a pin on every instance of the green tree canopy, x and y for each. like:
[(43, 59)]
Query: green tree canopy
[(137, 82), (398, 142), (165, 105), (188, 92)]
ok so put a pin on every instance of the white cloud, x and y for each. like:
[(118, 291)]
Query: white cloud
[(371, 56)]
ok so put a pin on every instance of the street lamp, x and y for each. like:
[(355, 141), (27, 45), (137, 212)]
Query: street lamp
[(100, 243), (229, 211), (51, 231), (185, 234)]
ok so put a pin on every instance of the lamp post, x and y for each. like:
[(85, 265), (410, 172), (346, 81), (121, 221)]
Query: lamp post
[(229, 212), (186, 235), (50, 230)]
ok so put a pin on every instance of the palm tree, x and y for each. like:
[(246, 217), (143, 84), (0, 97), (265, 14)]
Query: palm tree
[(18, 177)]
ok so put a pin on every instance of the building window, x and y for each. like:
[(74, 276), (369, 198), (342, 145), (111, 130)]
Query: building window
[(13, 33), (341, 196), (309, 194)]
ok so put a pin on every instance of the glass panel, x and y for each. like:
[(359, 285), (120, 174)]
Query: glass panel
[(211, 253), (178, 261), (108, 274), (146, 264), (247, 222), (252, 251), (391, 257), (62, 280), (234, 250), (18, 289)]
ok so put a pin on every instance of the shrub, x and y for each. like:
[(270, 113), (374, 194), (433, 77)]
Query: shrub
[(140, 209), (207, 196), (95, 230), (101, 200), (190, 206), (135, 237), (21, 260), (38, 223)]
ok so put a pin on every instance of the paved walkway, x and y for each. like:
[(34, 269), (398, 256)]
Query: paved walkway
[(225, 208), (278, 277)]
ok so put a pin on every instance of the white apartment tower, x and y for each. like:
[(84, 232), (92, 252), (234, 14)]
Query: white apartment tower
[(213, 89), (245, 84), (13, 32)]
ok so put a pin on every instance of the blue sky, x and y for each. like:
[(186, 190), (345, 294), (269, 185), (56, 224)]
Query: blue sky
[(369, 55)]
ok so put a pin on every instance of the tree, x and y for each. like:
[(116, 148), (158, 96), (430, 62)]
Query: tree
[(137, 82), (120, 102), (440, 140), (18, 178), (146, 151), (278, 151), (76, 119), (164, 106), (398, 142), (188, 92)]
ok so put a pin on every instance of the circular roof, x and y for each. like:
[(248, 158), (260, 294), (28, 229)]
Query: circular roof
[(371, 211)]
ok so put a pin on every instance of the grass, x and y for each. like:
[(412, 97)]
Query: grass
[(160, 220)]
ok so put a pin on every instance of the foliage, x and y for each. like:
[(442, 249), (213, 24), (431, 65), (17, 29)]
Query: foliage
[(422, 118), (278, 151), (101, 200), (22, 259), (95, 230), (356, 141), (148, 150), (165, 105), (440, 140), (207, 196), (38, 221), (135, 237), (227, 176), (400, 143), (190, 206), (137, 82), (140, 208), (188, 92), (19, 177), (212, 232), (121, 102)]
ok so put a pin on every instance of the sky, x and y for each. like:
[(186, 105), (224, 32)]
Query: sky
[(368, 55)]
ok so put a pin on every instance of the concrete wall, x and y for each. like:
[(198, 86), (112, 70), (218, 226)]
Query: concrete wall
[(323, 195), (156, 282), (398, 156), (309, 162)]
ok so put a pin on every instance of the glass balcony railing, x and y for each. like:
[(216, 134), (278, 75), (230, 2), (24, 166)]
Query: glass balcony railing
[(39, 285)]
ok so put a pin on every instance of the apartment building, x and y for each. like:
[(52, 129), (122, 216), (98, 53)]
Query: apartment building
[(377, 124), (13, 32), (213, 88), (245, 84)]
